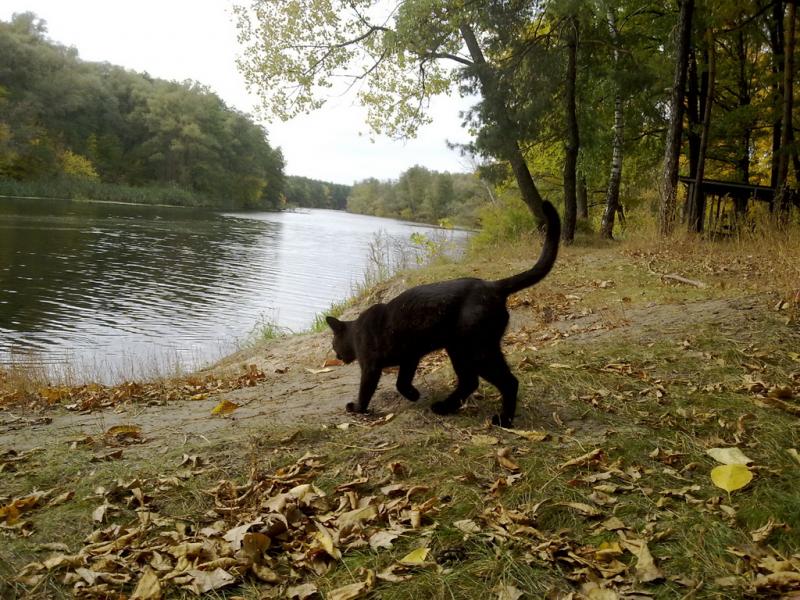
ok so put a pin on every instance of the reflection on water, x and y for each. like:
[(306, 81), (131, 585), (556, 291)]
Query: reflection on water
[(121, 290)]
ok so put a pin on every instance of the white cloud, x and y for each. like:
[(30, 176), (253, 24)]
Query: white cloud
[(190, 39)]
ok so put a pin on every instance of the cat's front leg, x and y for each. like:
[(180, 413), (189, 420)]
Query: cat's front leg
[(370, 375)]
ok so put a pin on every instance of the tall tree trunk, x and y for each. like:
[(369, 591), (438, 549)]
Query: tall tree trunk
[(573, 140), (788, 97), (696, 203), (694, 110), (492, 94), (776, 42), (615, 178), (582, 199), (669, 179), (743, 162)]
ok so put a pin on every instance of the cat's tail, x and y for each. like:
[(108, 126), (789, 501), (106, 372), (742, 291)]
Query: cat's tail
[(518, 282)]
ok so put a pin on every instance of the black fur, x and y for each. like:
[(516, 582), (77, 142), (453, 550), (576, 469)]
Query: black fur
[(467, 317)]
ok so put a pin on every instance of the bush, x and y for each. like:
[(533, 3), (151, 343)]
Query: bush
[(507, 220)]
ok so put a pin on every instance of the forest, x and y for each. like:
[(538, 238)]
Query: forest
[(604, 106), (420, 194), (70, 128)]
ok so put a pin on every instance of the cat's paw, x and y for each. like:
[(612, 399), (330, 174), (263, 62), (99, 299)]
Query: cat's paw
[(443, 408), (353, 407), (501, 421), (411, 394)]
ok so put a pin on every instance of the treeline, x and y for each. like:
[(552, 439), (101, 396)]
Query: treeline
[(422, 195), (74, 128), (313, 193)]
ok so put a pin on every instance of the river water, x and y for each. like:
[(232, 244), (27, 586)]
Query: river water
[(100, 291)]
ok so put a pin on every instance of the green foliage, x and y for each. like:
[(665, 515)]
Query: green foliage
[(312, 193), (75, 165), (63, 119), (421, 195), (504, 221)]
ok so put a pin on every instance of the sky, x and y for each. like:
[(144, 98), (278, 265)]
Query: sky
[(196, 39)]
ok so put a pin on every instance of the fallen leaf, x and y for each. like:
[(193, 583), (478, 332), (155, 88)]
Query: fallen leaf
[(382, 539), (731, 477), (593, 591), (301, 592), (205, 581), (225, 407), (589, 511), (415, 557), (763, 532), (595, 455), (505, 461), (124, 432), (646, 569), (467, 526), (264, 573), (780, 580), (508, 592), (354, 590), (484, 440), (318, 371), (531, 436), (353, 518), (148, 586), (794, 454), (325, 538), (729, 456)]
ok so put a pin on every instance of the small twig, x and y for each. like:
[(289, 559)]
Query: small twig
[(387, 448), (675, 277), (680, 279)]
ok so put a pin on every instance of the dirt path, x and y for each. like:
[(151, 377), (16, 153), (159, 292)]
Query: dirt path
[(292, 394)]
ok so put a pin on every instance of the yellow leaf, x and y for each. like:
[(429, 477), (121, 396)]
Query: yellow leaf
[(415, 557), (531, 436), (326, 541), (729, 456), (225, 407), (731, 477), (505, 460), (123, 431), (148, 587)]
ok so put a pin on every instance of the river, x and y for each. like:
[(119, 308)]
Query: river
[(105, 292)]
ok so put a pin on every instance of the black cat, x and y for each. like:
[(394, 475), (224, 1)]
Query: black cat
[(467, 317)]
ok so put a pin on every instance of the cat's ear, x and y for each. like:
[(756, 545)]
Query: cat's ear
[(335, 324)]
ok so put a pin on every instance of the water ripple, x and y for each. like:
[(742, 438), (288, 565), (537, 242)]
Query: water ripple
[(113, 289)]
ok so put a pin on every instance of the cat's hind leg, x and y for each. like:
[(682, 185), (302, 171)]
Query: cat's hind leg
[(494, 369), (467, 375), (405, 377)]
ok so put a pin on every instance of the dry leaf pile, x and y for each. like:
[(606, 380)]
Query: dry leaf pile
[(278, 529), (95, 396)]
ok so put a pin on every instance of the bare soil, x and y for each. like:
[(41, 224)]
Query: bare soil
[(293, 394)]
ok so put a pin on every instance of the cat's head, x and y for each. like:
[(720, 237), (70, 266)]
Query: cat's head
[(342, 339)]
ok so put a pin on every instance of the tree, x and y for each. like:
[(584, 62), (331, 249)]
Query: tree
[(672, 150), (612, 205), (573, 139), (398, 61)]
